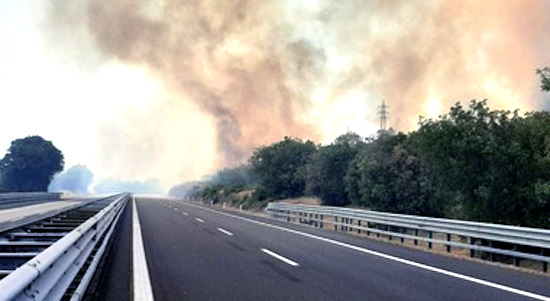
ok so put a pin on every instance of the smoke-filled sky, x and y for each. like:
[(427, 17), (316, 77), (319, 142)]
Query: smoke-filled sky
[(167, 91)]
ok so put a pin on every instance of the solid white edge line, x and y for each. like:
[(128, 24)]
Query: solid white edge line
[(386, 256), (200, 220), (281, 258), (142, 283), (225, 232)]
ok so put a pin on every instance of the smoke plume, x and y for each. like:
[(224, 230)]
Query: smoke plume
[(253, 71), (76, 179)]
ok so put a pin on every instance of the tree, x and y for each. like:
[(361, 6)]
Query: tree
[(326, 171), (238, 177), (30, 164), (280, 167), (544, 78), (492, 165), (386, 176)]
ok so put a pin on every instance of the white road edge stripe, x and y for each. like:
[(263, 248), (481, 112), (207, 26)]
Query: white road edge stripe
[(281, 258), (386, 256), (225, 232), (142, 283), (200, 220)]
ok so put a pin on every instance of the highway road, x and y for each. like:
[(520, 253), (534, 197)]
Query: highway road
[(200, 253)]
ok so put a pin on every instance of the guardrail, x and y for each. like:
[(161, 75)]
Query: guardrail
[(48, 275), (483, 240), (12, 197)]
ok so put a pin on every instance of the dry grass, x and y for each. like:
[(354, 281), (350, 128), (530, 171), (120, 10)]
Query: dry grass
[(302, 201)]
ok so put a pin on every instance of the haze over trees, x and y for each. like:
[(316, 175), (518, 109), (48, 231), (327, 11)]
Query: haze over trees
[(29, 165), (472, 163), (76, 179)]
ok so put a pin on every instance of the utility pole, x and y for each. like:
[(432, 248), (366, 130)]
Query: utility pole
[(383, 113)]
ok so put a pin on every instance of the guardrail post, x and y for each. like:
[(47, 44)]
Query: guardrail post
[(317, 224), (359, 225), (491, 253), (402, 231), (335, 223), (416, 235), (516, 260), (544, 263), (472, 252), (343, 224), (430, 236), (322, 221), (448, 246), (368, 226)]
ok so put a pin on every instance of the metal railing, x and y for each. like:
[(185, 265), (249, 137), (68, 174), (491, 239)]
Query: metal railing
[(481, 239), (14, 197), (49, 274)]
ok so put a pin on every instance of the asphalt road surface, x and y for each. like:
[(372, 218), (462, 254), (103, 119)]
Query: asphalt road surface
[(198, 253)]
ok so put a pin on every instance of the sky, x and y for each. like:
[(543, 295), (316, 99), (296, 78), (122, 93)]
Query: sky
[(163, 92)]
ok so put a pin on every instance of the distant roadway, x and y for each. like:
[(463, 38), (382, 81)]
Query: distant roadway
[(200, 253)]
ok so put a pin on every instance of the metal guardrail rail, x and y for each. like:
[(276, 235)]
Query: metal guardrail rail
[(14, 197), (25, 195), (481, 239), (49, 274)]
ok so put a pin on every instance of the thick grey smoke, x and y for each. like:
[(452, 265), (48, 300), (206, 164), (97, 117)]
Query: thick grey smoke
[(76, 179), (253, 71), (232, 59)]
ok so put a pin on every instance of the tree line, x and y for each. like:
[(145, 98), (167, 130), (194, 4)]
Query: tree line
[(472, 163)]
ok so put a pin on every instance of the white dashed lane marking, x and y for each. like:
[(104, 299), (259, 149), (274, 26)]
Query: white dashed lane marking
[(281, 258), (225, 232)]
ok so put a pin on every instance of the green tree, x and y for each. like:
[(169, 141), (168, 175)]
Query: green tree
[(326, 171), (280, 167), (30, 164), (386, 176), (544, 74), (492, 165)]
